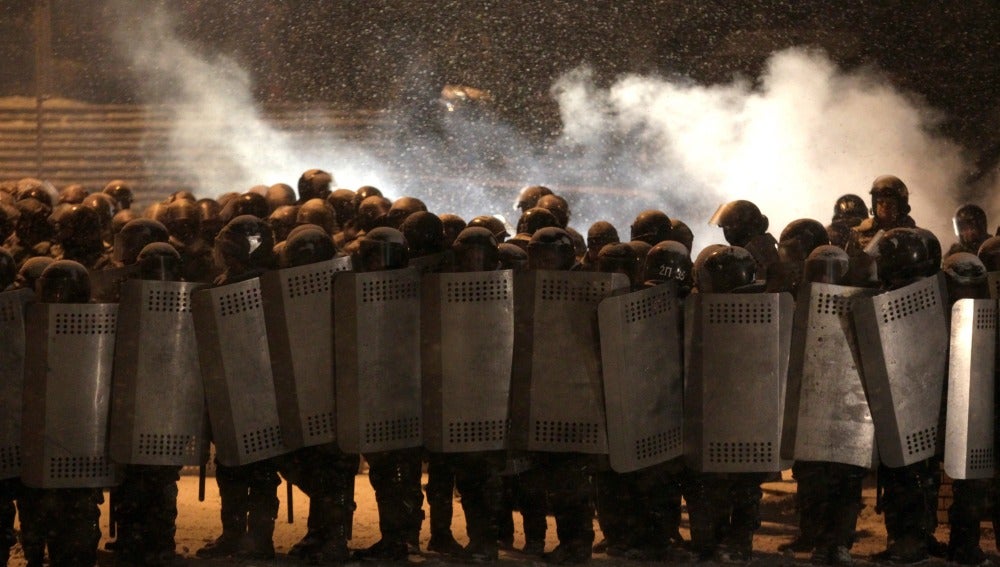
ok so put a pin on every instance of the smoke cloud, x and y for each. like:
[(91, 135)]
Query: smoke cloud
[(800, 136)]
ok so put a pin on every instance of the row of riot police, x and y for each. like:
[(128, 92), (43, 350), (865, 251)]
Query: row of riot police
[(591, 371)]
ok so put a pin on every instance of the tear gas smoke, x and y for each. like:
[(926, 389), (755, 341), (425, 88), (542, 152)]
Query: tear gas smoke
[(805, 134)]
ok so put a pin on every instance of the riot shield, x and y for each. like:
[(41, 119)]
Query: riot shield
[(994, 282), (557, 396), (106, 285), (297, 310), (158, 396), (903, 339), (67, 393), (736, 355), (12, 306), (467, 342), (376, 327), (433, 263), (236, 369), (641, 348), (826, 409), (969, 429)]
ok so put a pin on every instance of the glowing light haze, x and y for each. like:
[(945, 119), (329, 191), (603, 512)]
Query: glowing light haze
[(800, 136)]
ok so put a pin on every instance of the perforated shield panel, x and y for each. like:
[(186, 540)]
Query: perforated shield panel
[(557, 395), (12, 306), (158, 396), (433, 263), (377, 358), (467, 342), (236, 367), (641, 346), (106, 285), (298, 310), (969, 450), (736, 359), (826, 410), (994, 282), (67, 393), (903, 340)]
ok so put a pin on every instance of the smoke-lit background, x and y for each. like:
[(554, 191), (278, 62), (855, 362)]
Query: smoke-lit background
[(619, 106)]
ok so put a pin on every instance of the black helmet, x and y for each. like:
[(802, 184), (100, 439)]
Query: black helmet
[(31, 270), (210, 213), (382, 248), (342, 201), (493, 224), (726, 269), (424, 233), (536, 218), (933, 245), (371, 212), (121, 193), (122, 218), (618, 258), (651, 226), (827, 264), (529, 196), (681, 232), (32, 225), (850, 209), (307, 244), (740, 221), (966, 277), (599, 235), (32, 188), (890, 187), (8, 269), (182, 195), (314, 184), (79, 226), (63, 281), (319, 213), (669, 260), (245, 242), (989, 253), (249, 204), (551, 248), (476, 250), (557, 206), (8, 221), (800, 238), (278, 195), (970, 225), (73, 193), (363, 193), (183, 220), (283, 220), (512, 257), (902, 257), (453, 226), (105, 207), (159, 261), (134, 236)]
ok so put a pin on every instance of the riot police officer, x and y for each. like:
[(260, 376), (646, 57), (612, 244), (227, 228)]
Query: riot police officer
[(890, 209), (745, 226), (970, 228)]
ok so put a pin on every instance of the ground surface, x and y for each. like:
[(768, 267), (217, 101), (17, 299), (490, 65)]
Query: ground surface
[(198, 523)]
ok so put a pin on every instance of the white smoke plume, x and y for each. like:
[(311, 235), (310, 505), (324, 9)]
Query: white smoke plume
[(801, 136), (808, 134)]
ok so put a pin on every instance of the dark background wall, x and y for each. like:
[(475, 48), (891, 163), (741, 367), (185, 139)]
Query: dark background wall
[(376, 54)]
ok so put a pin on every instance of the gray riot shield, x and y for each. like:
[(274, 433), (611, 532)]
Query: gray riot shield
[(826, 410), (158, 396), (641, 348), (903, 339), (433, 263), (12, 306), (297, 309), (236, 369), (467, 344), (736, 355), (557, 396), (969, 431), (994, 282), (376, 329), (67, 395), (106, 285)]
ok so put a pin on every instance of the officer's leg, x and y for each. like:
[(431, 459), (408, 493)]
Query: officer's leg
[(440, 497), (388, 472), (964, 516), (478, 480), (810, 498), (8, 493), (533, 501), (299, 469), (569, 489), (75, 533), (746, 496), (262, 510), (32, 505), (701, 516), (903, 503), (233, 491), (505, 515), (161, 520)]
